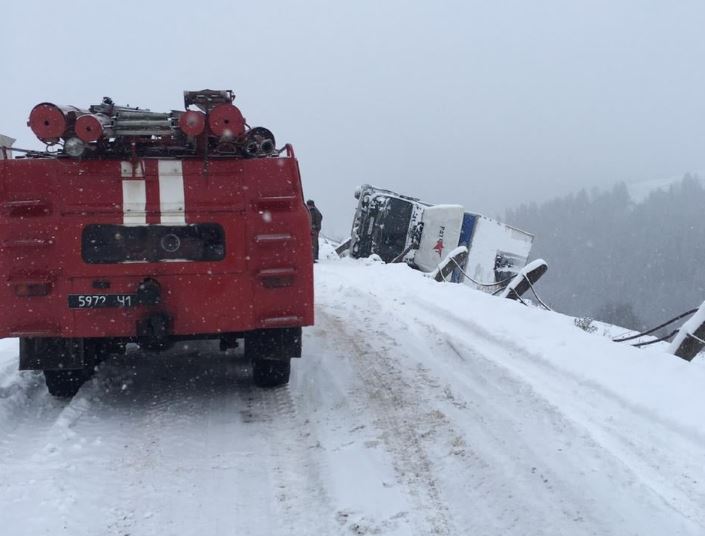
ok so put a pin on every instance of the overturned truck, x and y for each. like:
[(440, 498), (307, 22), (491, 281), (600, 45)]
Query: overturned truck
[(399, 228)]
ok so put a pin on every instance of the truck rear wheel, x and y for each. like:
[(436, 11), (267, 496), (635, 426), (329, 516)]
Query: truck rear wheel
[(65, 383), (270, 372), (67, 363), (271, 351)]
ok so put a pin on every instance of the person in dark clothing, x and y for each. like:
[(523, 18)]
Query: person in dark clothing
[(316, 219)]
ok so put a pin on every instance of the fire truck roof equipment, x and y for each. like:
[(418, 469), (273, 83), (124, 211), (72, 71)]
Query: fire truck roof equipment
[(215, 127)]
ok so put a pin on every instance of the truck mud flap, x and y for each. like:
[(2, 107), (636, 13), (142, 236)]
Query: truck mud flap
[(45, 353), (281, 343), (153, 332)]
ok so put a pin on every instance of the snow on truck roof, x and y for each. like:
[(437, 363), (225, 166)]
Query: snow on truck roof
[(519, 233)]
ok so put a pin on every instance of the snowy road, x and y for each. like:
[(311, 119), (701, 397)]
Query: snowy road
[(417, 408)]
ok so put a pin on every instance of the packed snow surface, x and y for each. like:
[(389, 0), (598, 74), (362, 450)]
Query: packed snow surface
[(418, 408)]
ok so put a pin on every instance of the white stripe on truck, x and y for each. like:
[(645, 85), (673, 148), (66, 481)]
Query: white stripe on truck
[(171, 192), (134, 194)]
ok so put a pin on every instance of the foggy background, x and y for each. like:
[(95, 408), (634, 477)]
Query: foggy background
[(486, 104), (633, 264)]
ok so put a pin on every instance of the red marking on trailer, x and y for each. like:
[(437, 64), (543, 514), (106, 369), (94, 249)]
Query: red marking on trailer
[(439, 247)]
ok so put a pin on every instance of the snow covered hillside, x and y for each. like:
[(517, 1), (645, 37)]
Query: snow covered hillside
[(418, 408), (639, 191)]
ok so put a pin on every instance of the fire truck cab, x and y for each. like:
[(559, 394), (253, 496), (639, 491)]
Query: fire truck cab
[(151, 230)]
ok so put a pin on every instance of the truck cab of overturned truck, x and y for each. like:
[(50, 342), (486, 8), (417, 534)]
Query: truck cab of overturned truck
[(151, 228), (400, 228)]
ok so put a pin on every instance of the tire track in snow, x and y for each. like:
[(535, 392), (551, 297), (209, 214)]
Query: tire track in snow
[(397, 416), (32, 449), (518, 482), (459, 475), (301, 496), (225, 409), (166, 445)]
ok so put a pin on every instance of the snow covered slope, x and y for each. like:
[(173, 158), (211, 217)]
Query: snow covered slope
[(640, 191), (418, 408)]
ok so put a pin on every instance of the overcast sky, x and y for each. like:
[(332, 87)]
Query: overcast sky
[(482, 103)]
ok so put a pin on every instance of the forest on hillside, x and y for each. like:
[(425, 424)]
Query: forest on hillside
[(631, 264)]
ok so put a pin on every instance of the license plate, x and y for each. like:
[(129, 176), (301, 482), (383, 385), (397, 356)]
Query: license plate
[(92, 301)]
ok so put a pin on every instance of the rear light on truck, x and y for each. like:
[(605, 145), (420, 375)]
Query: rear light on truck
[(277, 277), (26, 290), (26, 208)]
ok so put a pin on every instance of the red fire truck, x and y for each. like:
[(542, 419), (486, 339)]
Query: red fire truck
[(144, 227)]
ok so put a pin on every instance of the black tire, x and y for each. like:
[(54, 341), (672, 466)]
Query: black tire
[(271, 351), (270, 372), (65, 383), (274, 344)]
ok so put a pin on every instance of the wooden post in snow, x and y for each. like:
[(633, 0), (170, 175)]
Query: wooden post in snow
[(690, 338), (523, 281)]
